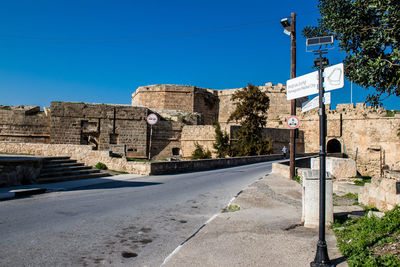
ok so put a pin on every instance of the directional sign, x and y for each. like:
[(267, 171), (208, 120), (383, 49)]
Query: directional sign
[(308, 84), (293, 122), (152, 119), (334, 77), (314, 103), (302, 86)]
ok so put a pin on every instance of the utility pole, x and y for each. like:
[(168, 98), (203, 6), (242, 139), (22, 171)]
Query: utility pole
[(292, 146)]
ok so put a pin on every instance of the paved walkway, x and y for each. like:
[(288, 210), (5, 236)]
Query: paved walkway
[(266, 231)]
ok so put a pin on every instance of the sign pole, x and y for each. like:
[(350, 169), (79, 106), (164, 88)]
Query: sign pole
[(151, 136), (292, 146), (321, 257), (151, 120)]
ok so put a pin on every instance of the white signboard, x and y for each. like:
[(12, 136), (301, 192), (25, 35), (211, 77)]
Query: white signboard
[(334, 77), (152, 119), (302, 86), (314, 103), (308, 84)]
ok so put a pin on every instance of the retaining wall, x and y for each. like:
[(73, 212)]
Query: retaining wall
[(19, 171), (206, 164), (81, 153)]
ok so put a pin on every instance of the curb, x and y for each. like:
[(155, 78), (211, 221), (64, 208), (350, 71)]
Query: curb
[(22, 193)]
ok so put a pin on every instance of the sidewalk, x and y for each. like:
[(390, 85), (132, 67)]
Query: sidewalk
[(266, 231)]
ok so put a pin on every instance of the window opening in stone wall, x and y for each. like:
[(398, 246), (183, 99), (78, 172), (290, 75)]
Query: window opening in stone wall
[(334, 146), (176, 151), (113, 139)]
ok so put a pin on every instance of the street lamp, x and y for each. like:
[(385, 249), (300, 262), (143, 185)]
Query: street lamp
[(321, 256), (290, 29)]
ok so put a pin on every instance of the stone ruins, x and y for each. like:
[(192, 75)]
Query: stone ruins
[(370, 136)]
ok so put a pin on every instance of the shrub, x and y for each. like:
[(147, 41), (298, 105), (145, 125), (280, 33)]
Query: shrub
[(101, 166), (200, 153)]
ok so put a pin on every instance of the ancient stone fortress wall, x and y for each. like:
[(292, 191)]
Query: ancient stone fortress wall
[(278, 106), (81, 153), (178, 97), (24, 124), (204, 135), (100, 125), (215, 105), (367, 135)]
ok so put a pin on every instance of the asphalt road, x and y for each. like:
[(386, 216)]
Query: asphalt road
[(136, 222)]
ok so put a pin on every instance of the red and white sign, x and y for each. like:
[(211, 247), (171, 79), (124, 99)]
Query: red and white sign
[(293, 122), (152, 119)]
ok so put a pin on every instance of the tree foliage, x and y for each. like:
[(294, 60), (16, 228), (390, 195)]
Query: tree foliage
[(200, 153), (251, 109), (368, 32), (221, 144)]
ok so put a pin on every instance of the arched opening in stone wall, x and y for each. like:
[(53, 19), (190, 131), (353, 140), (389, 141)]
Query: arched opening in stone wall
[(176, 151), (334, 146)]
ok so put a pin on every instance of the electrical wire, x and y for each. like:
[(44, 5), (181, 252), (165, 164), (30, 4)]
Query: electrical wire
[(233, 27)]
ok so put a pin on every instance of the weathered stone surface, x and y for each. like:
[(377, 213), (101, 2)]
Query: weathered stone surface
[(19, 171), (81, 153), (24, 124), (338, 167), (380, 193)]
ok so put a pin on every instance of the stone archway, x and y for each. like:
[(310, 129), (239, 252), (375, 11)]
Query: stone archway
[(334, 146)]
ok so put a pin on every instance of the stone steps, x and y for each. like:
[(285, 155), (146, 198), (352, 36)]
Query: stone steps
[(58, 169)]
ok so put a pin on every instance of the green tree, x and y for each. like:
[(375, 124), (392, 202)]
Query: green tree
[(251, 109), (368, 31), (200, 153), (221, 144)]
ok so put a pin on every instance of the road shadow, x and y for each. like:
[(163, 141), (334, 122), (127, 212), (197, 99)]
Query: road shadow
[(113, 185), (338, 261)]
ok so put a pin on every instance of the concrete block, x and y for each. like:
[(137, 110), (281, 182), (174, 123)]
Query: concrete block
[(338, 167), (311, 199)]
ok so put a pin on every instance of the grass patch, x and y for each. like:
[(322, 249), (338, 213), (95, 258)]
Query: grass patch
[(231, 208), (363, 181), (370, 241), (297, 179)]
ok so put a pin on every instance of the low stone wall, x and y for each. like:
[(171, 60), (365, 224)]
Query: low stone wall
[(19, 171), (81, 153), (337, 167), (206, 164), (283, 168), (382, 193)]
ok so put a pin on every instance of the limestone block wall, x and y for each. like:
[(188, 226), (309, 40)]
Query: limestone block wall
[(26, 124), (178, 97), (166, 139), (382, 193), (19, 170), (206, 102), (100, 125), (165, 96), (365, 134), (204, 135), (81, 153), (279, 105)]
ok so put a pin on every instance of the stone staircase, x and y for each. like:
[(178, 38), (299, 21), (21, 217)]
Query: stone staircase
[(59, 169)]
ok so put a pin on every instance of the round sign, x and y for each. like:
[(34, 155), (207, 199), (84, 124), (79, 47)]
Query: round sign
[(152, 119), (293, 122)]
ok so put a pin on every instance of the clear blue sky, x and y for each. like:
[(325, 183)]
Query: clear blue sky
[(101, 51)]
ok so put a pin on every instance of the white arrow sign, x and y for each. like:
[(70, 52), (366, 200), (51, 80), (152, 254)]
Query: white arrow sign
[(314, 103), (302, 86), (308, 84)]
